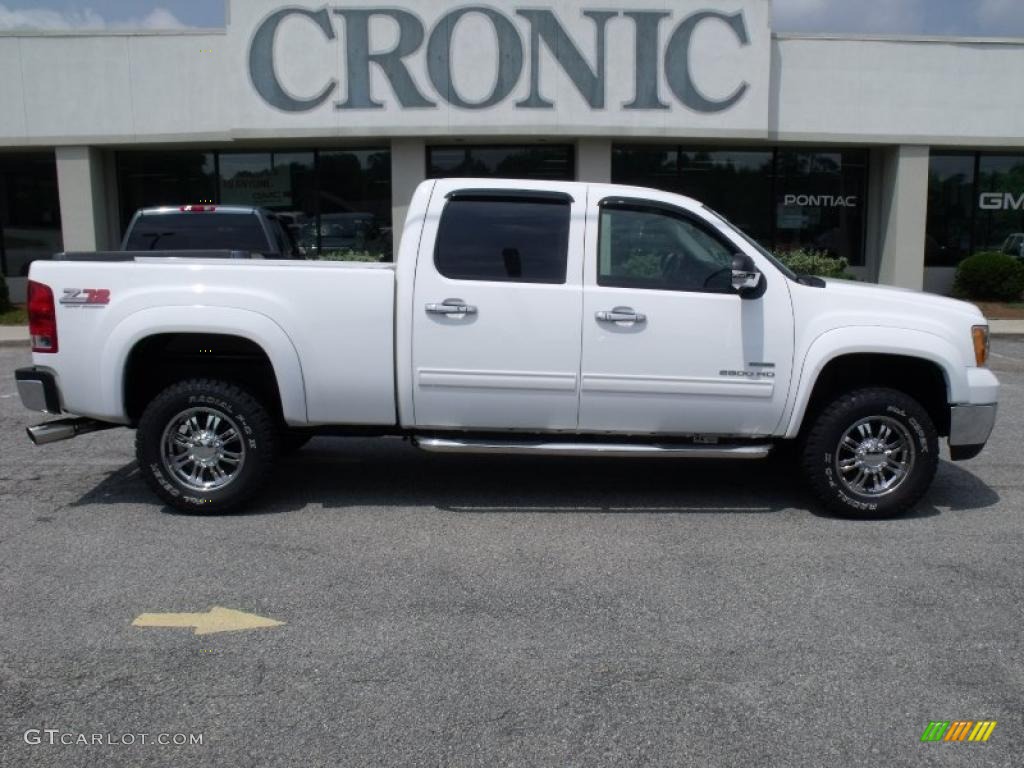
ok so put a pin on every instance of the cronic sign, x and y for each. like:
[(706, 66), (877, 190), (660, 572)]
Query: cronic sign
[(661, 61)]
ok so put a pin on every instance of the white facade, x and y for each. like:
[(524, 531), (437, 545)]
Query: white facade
[(411, 74)]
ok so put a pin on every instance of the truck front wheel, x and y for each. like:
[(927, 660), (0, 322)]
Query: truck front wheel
[(871, 453), (205, 446)]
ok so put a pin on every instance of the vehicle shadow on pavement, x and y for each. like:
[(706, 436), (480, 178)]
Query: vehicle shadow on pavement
[(347, 473)]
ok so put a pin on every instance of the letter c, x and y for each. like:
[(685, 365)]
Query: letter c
[(261, 61), (677, 62)]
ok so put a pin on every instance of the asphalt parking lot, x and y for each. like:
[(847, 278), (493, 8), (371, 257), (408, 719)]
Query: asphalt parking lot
[(481, 612)]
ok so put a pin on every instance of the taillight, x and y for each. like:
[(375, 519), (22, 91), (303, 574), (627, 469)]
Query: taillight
[(42, 317), (198, 208)]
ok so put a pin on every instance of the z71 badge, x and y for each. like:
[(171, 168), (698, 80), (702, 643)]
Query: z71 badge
[(85, 297)]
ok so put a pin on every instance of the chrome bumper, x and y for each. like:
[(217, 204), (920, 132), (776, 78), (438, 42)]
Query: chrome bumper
[(38, 390), (970, 427)]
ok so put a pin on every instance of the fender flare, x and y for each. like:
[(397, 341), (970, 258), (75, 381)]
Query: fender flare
[(253, 326), (877, 340)]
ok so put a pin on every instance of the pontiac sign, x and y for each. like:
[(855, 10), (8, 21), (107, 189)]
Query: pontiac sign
[(392, 57)]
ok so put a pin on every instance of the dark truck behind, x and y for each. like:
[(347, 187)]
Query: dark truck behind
[(215, 229)]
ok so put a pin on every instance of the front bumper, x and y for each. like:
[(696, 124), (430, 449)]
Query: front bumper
[(38, 390), (970, 427)]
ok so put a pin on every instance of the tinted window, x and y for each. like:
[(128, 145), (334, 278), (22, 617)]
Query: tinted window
[(646, 248), (524, 241), (198, 231)]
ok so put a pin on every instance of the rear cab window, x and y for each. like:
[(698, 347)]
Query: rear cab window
[(198, 231)]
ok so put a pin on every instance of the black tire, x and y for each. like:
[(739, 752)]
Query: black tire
[(916, 448), (239, 412)]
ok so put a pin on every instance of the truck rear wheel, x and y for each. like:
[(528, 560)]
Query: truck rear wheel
[(871, 453), (205, 446)]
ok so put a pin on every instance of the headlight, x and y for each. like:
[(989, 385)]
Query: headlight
[(981, 344)]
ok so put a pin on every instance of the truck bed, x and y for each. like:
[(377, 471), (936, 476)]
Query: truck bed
[(328, 327)]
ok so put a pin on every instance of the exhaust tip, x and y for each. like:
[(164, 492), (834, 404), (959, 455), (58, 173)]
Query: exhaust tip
[(64, 429)]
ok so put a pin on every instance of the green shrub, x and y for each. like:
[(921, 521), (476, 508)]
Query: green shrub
[(643, 265), (347, 255), (816, 263), (5, 296), (989, 276)]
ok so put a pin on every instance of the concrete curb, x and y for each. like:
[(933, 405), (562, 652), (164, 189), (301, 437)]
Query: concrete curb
[(14, 336)]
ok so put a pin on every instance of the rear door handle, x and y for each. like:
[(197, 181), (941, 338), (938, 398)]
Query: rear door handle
[(451, 307), (621, 315)]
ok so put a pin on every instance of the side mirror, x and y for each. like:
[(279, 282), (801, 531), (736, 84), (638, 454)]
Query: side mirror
[(746, 278)]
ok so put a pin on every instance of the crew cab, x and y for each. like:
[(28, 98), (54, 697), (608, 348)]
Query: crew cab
[(521, 317)]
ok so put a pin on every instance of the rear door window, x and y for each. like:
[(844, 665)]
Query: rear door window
[(504, 240), (198, 231)]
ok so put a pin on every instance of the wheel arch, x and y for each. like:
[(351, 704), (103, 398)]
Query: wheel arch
[(156, 347), (918, 364)]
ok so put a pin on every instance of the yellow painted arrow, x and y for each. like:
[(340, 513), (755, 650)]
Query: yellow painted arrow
[(217, 619)]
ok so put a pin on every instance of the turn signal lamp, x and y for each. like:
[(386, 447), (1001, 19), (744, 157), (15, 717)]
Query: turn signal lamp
[(981, 344)]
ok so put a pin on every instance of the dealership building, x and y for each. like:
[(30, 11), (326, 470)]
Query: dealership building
[(903, 155)]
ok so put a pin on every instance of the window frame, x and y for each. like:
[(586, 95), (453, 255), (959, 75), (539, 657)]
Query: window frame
[(506, 196), (664, 209)]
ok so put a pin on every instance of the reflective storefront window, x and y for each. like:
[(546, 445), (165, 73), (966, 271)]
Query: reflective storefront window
[(999, 224), (149, 179), (819, 201), (951, 202), (29, 211), (737, 183), (784, 198), (528, 161), (355, 202), (336, 203), (283, 182), (647, 166), (975, 204)]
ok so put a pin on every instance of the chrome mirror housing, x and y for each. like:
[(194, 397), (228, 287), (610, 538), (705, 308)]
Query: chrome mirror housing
[(746, 278)]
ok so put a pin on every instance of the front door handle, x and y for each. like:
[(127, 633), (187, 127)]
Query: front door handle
[(621, 315), (451, 307)]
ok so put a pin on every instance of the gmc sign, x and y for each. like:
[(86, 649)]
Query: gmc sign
[(1001, 201)]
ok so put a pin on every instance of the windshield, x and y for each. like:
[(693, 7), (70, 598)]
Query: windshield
[(760, 248)]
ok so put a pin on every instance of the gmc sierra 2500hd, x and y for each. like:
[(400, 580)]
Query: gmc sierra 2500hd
[(521, 317)]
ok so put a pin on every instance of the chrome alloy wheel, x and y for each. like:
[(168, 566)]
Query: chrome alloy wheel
[(875, 456), (203, 449)]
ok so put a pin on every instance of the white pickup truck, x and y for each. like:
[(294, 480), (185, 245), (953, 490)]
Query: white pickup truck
[(560, 319)]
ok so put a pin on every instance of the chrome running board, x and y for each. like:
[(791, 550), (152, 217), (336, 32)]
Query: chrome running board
[(615, 450)]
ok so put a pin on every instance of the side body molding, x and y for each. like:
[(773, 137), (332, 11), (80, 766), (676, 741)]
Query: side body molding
[(253, 326), (882, 340)]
